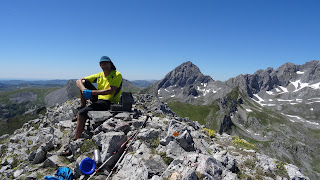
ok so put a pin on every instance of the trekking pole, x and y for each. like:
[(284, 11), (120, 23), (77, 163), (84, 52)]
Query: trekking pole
[(125, 150), (115, 152)]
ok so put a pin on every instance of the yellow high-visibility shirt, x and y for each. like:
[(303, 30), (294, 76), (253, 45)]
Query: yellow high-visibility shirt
[(113, 79)]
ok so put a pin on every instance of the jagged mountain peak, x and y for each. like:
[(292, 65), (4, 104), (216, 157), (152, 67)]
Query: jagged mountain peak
[(282, 76), (184, 83), (184, 75), (187, 65)]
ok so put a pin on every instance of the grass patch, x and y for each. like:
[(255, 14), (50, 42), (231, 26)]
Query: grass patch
[(316, 165), (195, 112), (88, 145), (199, 175), (155, 143), (244, 176), (40, 92), (266, 117), (165, 158), (250, 163), (15, 123), (39, 175), (14, 112), (316, 132)]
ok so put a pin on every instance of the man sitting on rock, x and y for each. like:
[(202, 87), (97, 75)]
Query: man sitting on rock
[(109, 83)]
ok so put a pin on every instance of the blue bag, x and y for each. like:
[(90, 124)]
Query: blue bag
[(63, 173)]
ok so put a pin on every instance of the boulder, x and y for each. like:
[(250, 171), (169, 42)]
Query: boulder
[(189, 174), (32, 155), (294, 172), (123, 116), (40, 156), (149, 134), (75, 145), (109, 142), (5, 170), (47, 146), (227, 161), (186, 141), (114, 125), (99, 116), (53, 161), (227, 175), (207, 166), (66, 124), (155, 166), (155, 177), (131, 169), (174, 150)]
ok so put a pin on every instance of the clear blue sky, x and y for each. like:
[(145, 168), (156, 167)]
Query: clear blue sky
[(64, 39)]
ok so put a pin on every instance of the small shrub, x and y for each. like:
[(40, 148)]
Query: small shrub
[(242, 143), (211, 132), (30, 142), (280, 169)]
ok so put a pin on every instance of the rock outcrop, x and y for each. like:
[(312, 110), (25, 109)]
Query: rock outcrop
[(169, 147)]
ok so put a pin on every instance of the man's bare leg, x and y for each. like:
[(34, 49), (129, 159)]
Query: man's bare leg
[(80, 126), (83, 101), (80, 84)]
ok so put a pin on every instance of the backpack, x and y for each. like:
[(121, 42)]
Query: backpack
[(125, 103), (63, 173)]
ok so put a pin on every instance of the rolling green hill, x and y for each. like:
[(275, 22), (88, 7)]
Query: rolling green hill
[(20, 106)]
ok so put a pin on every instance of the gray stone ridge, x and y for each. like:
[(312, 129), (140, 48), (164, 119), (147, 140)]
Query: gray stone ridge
[(168, 147)]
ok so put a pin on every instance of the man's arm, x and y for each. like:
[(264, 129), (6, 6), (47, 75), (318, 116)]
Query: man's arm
[(110, 90)]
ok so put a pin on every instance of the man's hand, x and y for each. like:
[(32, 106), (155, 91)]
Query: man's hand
[(87, 93)]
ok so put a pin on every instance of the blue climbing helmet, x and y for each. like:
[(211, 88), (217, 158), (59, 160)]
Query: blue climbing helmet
[(64, 173)]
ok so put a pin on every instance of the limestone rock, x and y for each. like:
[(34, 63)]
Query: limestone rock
[(40, 156), (98, 116), (109, 142)]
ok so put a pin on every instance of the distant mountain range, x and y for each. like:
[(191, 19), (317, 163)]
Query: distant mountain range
[(37, 82), (278, 109), (8, 83), (143, 83)]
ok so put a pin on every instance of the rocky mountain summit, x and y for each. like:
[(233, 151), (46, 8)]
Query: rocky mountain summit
[(277, 109), (187, 84), (169, 147)]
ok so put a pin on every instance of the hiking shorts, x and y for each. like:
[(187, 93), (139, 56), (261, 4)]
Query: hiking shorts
[(97, 104)]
